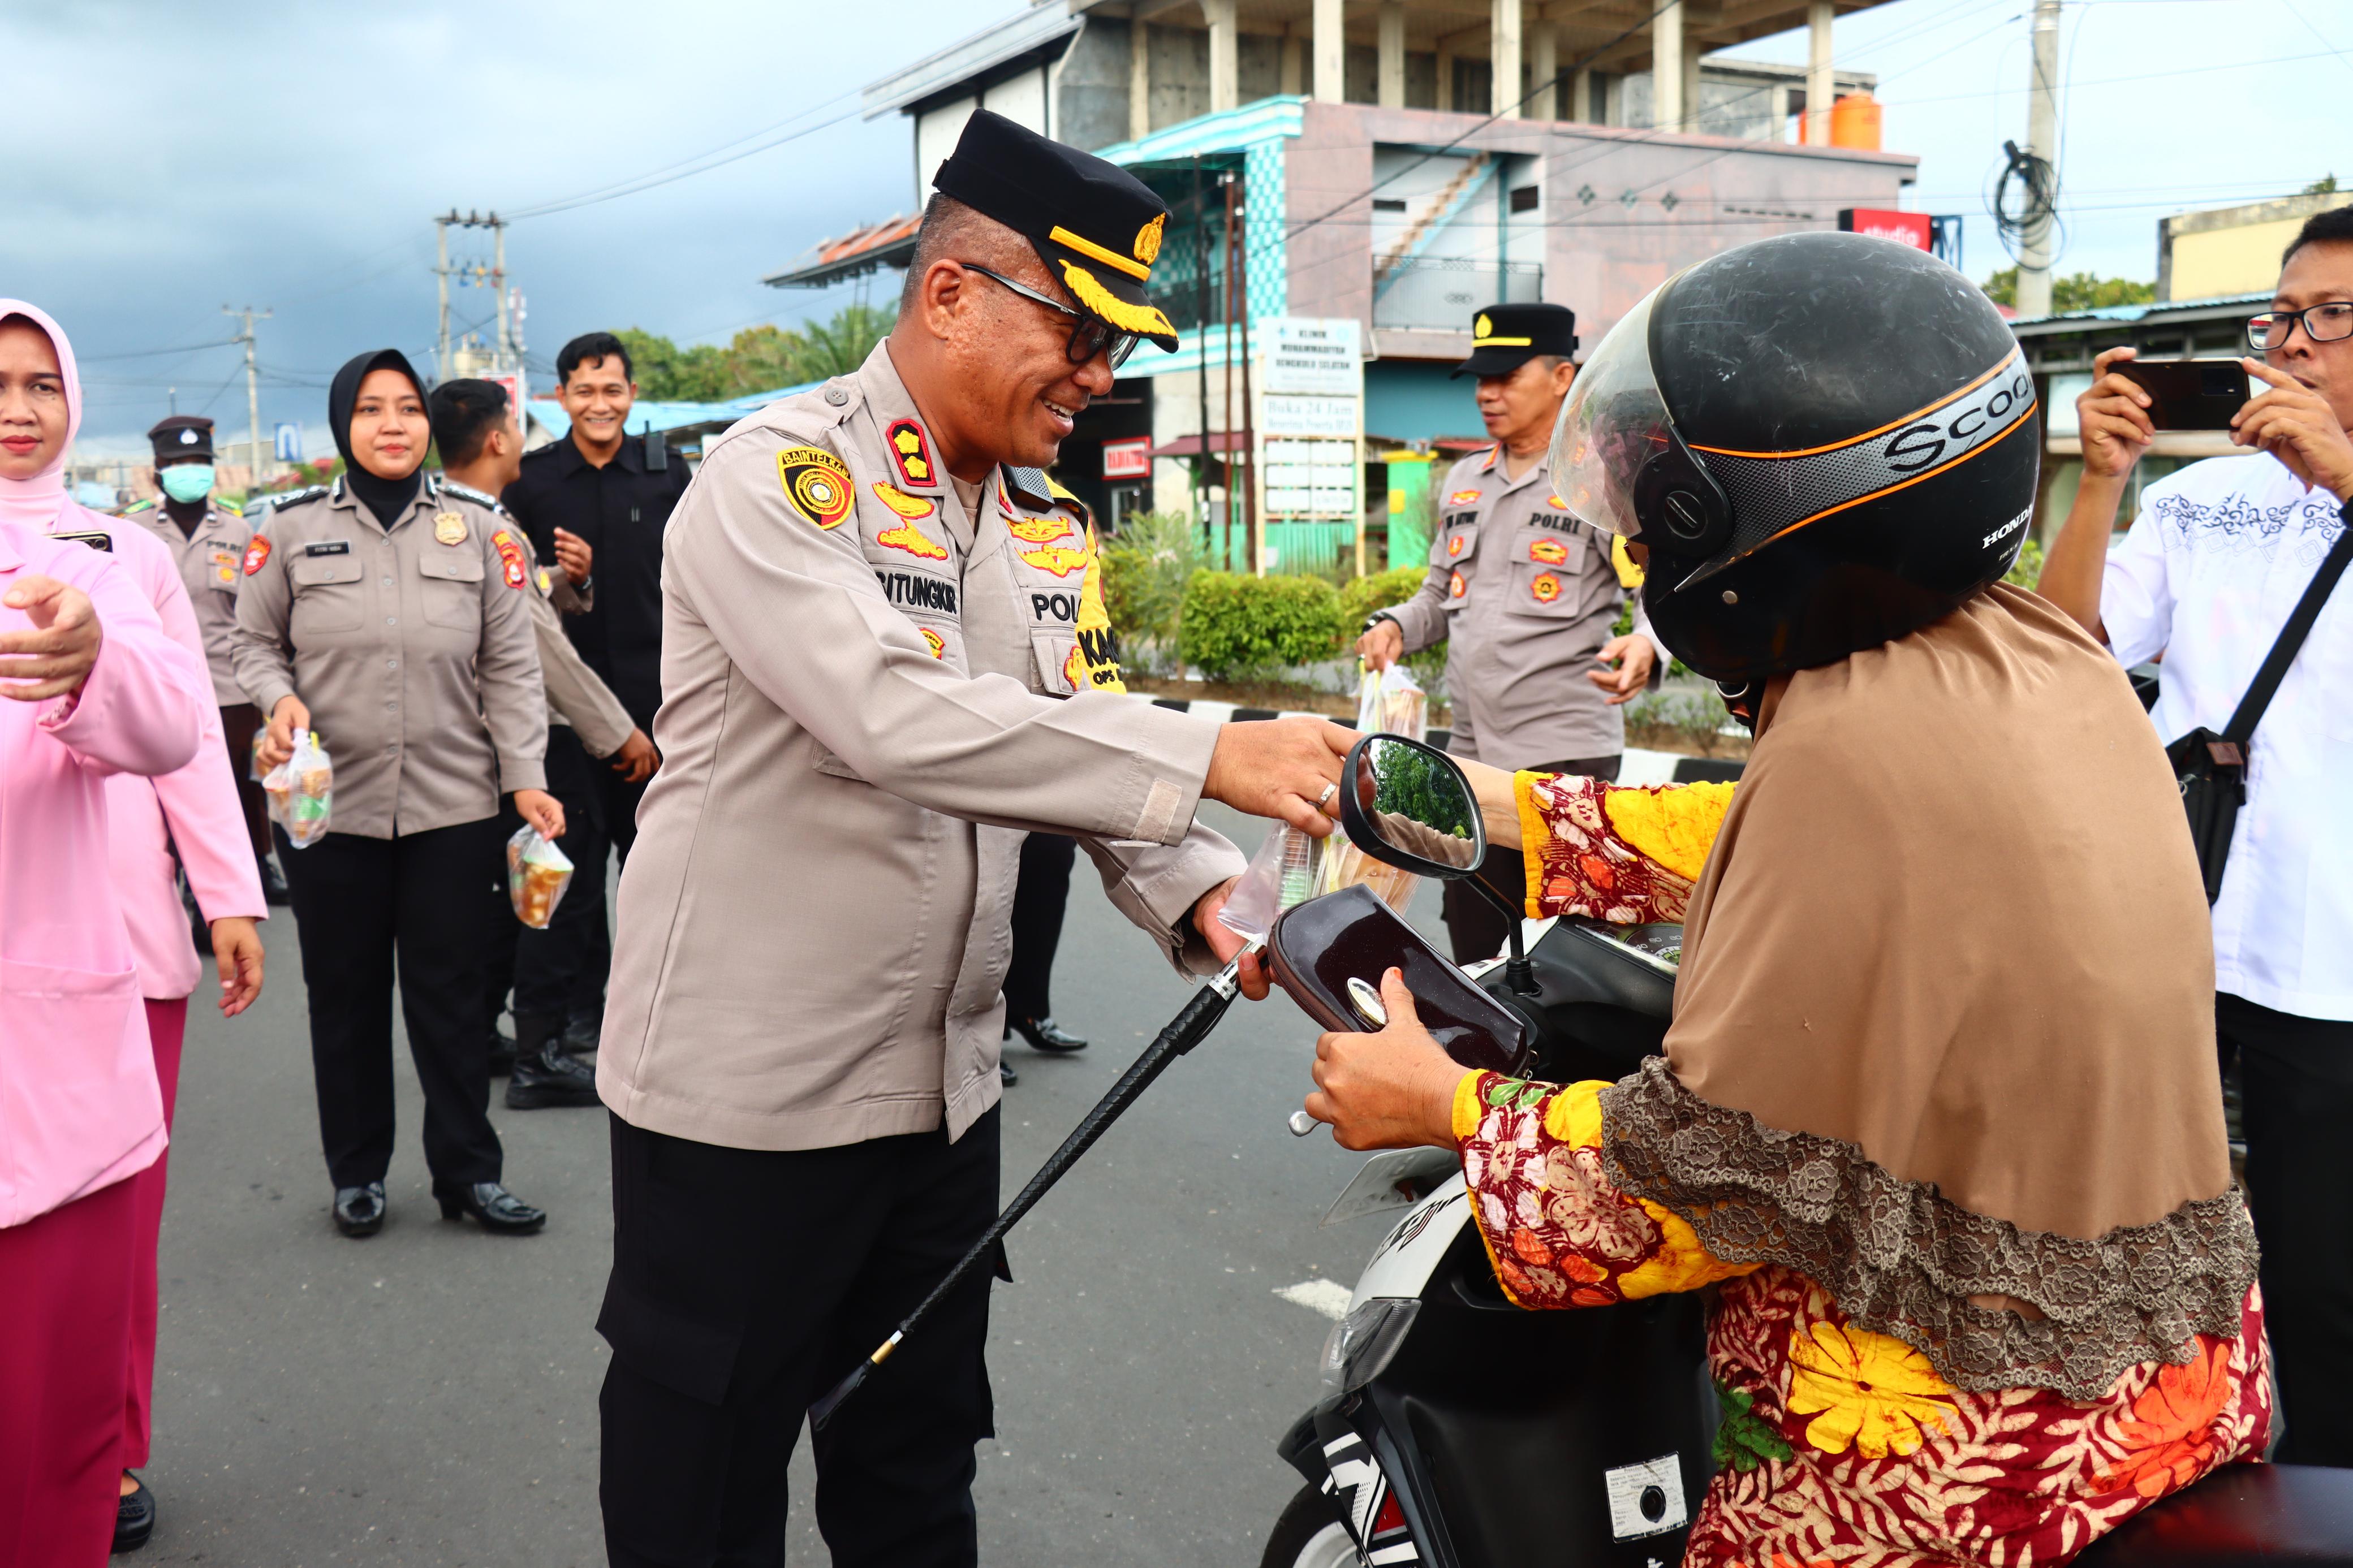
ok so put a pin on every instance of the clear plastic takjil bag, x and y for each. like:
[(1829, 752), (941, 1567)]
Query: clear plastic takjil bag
[(537, 875), (301, 791)]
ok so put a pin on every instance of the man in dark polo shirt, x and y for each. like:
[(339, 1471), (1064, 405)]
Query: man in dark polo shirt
[(615, 492)]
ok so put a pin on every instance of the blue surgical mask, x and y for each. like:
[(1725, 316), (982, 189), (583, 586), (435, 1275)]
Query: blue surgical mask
[(187, 481)]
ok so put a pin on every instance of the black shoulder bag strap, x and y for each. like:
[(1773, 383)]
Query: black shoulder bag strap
[(2212, 769)]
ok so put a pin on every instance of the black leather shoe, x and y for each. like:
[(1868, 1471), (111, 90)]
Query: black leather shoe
[(500, 1210), (359, 1211), (551, 1079), (581, 1032), (273, 884), (134, 1517), (1006, 1076), (1047, 1035)]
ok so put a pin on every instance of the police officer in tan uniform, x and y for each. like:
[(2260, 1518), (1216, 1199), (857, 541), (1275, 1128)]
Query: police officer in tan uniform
[(1523, 595), (394, 620), (885, 658), (207, 536)]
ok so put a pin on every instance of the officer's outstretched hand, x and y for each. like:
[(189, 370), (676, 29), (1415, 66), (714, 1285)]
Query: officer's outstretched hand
[(1280, 767), (1634, 660), (277, 736), (542, 810)]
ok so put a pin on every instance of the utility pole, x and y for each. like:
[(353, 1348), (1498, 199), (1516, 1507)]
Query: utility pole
[(499, 285), (2042, 142), (441, 273), (252, 389), (506, 356)]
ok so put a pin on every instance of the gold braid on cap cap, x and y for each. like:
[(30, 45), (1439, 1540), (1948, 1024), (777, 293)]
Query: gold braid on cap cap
[(1139, 270), (1142, 319), (1502, 342)]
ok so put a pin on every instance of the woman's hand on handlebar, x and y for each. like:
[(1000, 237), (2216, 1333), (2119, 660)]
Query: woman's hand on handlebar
[(1393, 1090)]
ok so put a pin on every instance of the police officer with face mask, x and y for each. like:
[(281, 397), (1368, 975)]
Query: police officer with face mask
[(207, 536)]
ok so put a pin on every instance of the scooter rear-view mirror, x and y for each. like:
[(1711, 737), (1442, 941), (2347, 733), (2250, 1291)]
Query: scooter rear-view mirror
[(1412, 808)]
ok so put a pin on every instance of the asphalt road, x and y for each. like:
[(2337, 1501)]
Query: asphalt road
[(428, 1397)]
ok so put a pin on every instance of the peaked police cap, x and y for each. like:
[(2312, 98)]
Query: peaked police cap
[(182, 436), (1506, 337)]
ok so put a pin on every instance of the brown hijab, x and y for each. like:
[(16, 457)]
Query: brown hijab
[(1945, 1027)]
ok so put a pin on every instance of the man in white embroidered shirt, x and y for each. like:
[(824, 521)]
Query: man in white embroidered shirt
[(2207, 576)]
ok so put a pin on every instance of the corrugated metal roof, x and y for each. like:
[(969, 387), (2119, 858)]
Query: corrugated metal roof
[(2141, 312), (651, 414), (1015, 35)]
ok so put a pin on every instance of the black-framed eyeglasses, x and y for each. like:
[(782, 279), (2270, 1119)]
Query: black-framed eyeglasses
[(2322, 323), (1090, 335)]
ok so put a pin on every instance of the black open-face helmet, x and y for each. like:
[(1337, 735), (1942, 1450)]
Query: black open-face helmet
[(1825, 440)]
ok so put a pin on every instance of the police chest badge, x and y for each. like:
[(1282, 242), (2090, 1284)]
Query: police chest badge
[(224, 563), (449, 527), (817, 483)]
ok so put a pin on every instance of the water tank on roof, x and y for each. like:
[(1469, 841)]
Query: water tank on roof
[(1855, 122)]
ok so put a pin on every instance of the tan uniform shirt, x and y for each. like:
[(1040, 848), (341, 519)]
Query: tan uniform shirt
[(208, 561), (862, 712), (575, 695), (411, 645), (1525, 596)]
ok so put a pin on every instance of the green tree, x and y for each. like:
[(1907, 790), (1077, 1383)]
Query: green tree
[(2077, 291), (758, 359), (840, 346), (2324, 186)]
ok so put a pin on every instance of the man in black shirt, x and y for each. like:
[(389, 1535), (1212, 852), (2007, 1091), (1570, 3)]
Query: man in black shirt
[(615, 492)]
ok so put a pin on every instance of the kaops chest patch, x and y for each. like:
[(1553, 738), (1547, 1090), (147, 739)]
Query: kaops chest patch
[(911, 452), (817, 483), (255, 553)]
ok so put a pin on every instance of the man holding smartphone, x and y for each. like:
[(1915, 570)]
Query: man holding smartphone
[(2207, 576)]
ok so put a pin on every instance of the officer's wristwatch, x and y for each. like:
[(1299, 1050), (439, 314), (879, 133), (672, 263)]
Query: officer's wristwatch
[(1377, 616)]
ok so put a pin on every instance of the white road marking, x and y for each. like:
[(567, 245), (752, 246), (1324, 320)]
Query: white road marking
[(1328, 1297)]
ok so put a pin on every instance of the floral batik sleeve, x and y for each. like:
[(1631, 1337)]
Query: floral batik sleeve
[(1559, 1234), (1626, 854)]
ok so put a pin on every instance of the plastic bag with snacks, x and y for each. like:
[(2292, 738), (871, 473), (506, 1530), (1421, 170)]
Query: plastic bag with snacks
[(1282, 873), (537, 874), (301, 791), (253, 768), (1392, 702)]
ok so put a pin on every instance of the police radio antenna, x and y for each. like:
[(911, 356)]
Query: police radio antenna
[(506, 352)]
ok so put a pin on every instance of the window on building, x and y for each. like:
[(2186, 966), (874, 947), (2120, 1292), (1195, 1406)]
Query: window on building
[(1524, 199), (1389, 205)]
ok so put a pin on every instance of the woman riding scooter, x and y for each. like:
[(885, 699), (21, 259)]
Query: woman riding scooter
[(1937, 1116)]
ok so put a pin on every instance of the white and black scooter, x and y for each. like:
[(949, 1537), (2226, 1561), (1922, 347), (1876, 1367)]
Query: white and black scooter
[(1459, 1431)]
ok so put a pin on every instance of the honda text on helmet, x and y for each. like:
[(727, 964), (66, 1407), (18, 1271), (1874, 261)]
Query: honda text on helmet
[(1824, 440)]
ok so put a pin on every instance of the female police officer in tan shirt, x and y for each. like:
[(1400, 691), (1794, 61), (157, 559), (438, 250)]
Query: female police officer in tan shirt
[(390, 617)]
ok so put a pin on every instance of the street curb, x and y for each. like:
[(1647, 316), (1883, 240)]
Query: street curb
[(1638, 767)]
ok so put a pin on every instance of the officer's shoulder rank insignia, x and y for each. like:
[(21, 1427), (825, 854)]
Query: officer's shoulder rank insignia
[(449, 527), (817, 483), (546, 582), (256, 552), (899, 500), (452, 488), (911, 450), (512, 561), (140, 506), (227, 507)]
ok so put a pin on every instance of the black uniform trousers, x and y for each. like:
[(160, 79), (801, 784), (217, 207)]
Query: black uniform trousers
[(1477, 929), (2297, 1103), (746, 1283), (616, 801), (1039, 895), (425, 903), (544, 968)]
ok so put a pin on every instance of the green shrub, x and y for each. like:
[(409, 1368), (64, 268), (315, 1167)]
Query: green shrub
[(1238, 626), (1146, 567), (1378, 591), (2029, 566)]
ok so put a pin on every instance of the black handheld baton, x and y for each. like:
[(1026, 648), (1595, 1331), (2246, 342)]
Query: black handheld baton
[(1187, 1029)]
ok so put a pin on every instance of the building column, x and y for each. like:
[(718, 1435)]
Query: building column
[(1822, 88), (1392, 71), (1544, 63), (1291, 71), (1504, 90), (1331, 53), (1446, 73), (1691, 84), (1667, 109), (1580, 98), (1225, 56), (1139, 80)]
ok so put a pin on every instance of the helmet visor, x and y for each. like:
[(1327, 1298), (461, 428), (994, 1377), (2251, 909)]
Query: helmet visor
[(1613, 423)]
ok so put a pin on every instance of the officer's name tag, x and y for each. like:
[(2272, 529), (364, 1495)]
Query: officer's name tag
[(332, 547)]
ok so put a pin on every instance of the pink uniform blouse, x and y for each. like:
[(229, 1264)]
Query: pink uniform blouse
[(79, 1104), (193, 810)]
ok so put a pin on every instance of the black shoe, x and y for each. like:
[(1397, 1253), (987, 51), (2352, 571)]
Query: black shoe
[(581, 1032), (500, 1211), (551, 1079), (359, 1211), (1006, 1076), (134, 1517), (502, 1052), (273, 883), (1047, 1035)]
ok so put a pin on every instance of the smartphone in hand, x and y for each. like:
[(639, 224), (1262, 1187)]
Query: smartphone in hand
[(2190, 393)]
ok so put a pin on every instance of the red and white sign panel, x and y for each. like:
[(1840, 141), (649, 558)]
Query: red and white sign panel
[(1129, 457), (1904, 228)]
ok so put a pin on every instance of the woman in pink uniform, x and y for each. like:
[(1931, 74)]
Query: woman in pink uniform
[(94, 686)]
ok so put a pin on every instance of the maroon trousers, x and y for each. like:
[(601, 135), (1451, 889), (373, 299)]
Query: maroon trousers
[(166, 1023), (65, 1321)]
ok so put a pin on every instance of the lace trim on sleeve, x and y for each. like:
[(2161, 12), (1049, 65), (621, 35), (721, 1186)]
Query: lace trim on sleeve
[(1902, 1260)]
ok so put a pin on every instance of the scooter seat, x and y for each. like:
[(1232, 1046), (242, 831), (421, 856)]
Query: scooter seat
[(2241, 1516)]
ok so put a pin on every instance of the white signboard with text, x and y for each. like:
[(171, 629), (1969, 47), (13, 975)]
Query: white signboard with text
[(1310, 420)]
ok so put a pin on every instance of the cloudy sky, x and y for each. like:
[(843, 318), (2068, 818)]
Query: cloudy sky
[(172, 158)]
